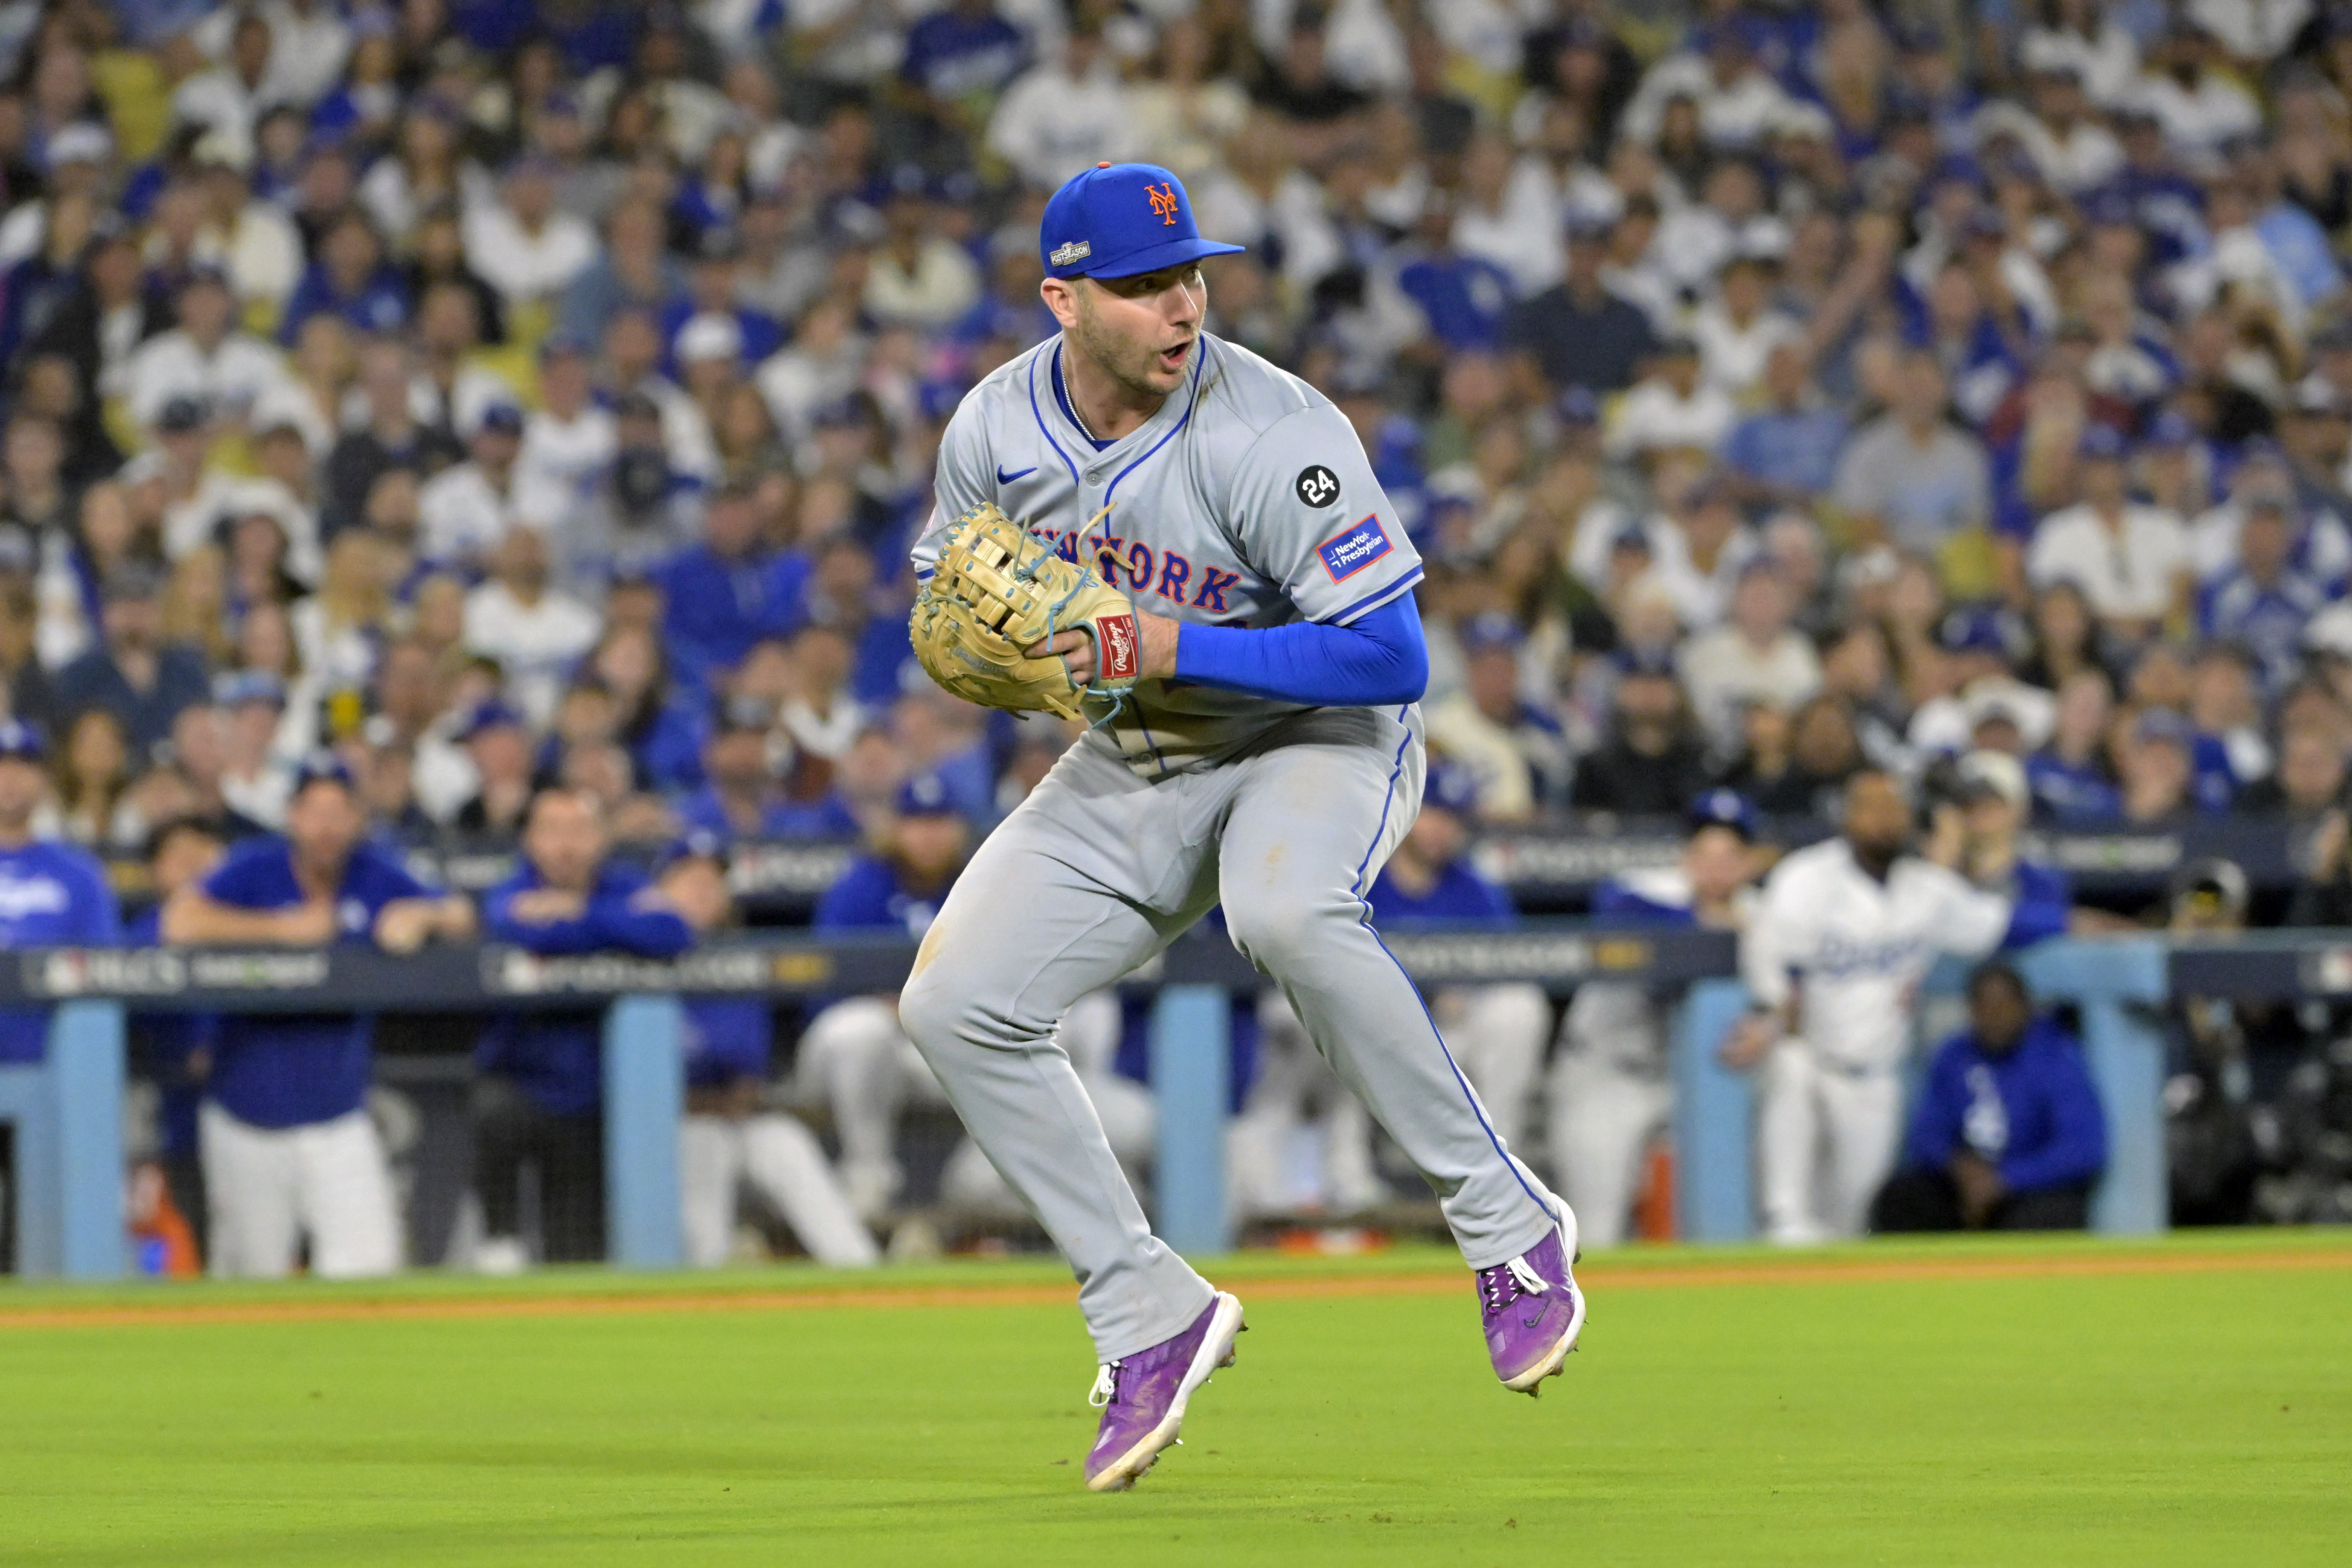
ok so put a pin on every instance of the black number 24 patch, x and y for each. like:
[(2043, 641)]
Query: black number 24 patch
[(1317, 486)]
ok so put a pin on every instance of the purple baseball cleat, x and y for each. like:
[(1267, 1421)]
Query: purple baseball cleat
[(1142, 1396), (1533, 1310)]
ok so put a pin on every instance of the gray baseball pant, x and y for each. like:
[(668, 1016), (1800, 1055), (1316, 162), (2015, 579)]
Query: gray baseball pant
[(1096, 872)]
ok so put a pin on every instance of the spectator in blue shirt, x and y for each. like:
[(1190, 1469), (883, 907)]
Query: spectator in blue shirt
[(732, 1138), (741, 798), (541, 1098), (350, 279), (2008, 1134), (854, 1057), (135, 674), (288, 1148), (1785, 454), (2262, 601), (958, 59), (728, 592), (174, 1050), (51, 894), (1463, 297)]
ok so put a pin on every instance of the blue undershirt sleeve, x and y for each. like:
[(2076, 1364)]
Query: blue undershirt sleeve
[(1374, 661)]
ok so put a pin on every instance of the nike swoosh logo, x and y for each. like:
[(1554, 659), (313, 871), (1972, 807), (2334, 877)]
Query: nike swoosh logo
[(1539, 1317), (1004, 478)]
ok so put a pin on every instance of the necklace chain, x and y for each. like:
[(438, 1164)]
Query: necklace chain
[(1069, 402)]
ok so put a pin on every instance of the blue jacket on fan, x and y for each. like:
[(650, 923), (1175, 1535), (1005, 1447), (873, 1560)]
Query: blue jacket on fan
[(2034, 1113), (557, 1058)]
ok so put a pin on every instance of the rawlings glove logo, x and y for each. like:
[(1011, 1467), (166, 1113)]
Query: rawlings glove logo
[(1117, 652)]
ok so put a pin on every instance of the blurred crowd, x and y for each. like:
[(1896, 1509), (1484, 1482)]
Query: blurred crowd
[(500, 392)]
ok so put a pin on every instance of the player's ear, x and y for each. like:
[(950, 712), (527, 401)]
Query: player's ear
[(1061, 297)]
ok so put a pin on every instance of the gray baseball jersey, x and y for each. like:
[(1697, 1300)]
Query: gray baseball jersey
[(1246, 500)]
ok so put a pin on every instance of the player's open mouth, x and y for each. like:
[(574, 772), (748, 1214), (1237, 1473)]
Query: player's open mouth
[(1174, 359)]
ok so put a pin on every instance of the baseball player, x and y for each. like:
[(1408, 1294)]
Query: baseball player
[(540, 1097), (1610, 1091), (729, 1138), (1257, 742), (51, 894), (1832, 956), (288, 1148)]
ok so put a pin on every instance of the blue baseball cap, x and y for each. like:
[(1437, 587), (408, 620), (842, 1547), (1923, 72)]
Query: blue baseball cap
[(1723, 808), (321, 766), (2102, 444), (1120, 220), (490, 714), (235, 688), (20, 741), (697, 844), (1451, 786), (1490, 632), (926, 794)]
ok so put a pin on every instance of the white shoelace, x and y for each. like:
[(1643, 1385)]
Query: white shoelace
[(1106, 1384), (1529, 1280)]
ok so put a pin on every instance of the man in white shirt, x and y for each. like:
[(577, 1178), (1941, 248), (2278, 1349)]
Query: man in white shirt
[(308, 44), (2131, 561), (568, 443), (1670, 406), (202, 358), (1753, 657), (464, 511), (522, 245), (1066, 114), (254, 242), (535, 633)]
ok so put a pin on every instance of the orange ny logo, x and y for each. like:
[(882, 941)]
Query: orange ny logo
[(1163, 203)]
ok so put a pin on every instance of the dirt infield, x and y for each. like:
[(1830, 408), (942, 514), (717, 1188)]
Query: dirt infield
[(1601, 1277)]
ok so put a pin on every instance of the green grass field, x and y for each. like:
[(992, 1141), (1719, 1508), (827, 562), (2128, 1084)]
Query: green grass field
[(2070, 1402)]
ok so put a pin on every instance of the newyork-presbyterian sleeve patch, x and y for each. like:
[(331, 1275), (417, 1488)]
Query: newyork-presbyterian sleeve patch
[(1349, 552)]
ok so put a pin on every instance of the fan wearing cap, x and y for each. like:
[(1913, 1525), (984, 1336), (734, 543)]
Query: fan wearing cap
[(728, 591), (1671, 408), (133, 673), (2131, 561), (521, 244), (1995, 802), (1514, 750), (498, 743), (732, 1138), (52, 894), (854, 1056), (540, 1100), (1653, 754), (288, 1149), (464, 511), (205, 357), (1610, 1093), (1844, 934), (1263, 751)]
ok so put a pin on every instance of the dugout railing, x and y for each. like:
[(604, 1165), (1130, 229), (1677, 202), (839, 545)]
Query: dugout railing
[(68, 1110)]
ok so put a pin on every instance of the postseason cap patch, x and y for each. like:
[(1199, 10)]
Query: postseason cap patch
[(1344, 554)]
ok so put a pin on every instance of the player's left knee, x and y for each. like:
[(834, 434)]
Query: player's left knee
[(1279, 930)]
